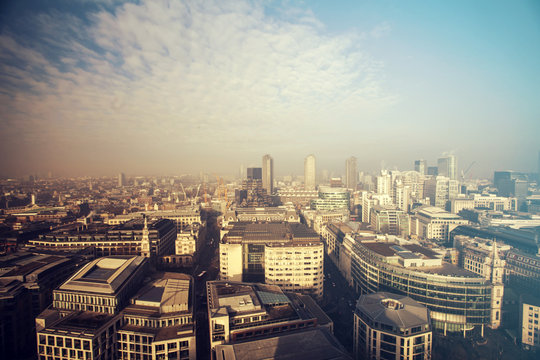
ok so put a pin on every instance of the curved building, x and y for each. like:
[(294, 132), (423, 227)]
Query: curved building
[(331, 199), (458, 300)]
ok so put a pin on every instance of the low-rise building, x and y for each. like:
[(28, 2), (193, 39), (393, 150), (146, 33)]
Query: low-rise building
[(434, 223), (529, 320), (246, 311)]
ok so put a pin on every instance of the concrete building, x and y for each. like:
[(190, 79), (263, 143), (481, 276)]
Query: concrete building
[(121, 180), (309, 344), (440, 190), (310, 173), (447, 166), (151, 238), (384, 183), (434, 223), (529, 320), (351, 173), (487, 201), (389, 220), (297, 197), (181, 217), (268, 174), (286, 254), (85, 316), (159, 323), (242, 312), (317, 219), (104, 285), (391, 326), (265, 214)]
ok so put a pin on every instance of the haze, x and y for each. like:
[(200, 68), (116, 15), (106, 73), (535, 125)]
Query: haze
[(169, 87)]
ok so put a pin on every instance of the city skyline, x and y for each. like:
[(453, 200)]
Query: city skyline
[(156, 87)]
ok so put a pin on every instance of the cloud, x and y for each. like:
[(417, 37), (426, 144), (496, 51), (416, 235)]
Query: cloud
[(182, 74)]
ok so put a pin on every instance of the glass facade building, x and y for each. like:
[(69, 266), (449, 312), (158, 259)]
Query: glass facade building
[(458, 300)]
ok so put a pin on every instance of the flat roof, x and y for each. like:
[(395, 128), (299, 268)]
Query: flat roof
[(104, 275), (312, 344)]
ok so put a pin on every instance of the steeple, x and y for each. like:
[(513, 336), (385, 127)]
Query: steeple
[(145, 241)]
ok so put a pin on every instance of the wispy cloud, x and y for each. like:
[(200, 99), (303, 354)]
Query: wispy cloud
[(179, 74)]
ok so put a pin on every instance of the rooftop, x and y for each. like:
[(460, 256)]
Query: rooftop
[(313, 344), (104, 275), (393, 310)]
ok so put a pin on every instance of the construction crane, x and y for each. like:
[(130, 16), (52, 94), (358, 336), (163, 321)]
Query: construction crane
[(463, 173), (184, 191)]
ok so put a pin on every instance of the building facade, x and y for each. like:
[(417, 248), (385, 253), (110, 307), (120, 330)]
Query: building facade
[(390, 326), (310, 173), (351, 173), (268, 174)]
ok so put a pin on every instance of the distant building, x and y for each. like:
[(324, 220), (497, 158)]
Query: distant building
[(286, 254), (265, 214), (384, 183), (268, 174), (331, 199), (447, 166), (391, 326), (433, 170), (253, 194), (421, 166), (297, 197), (434, 223), (310, 173), (245, 312), (441, 190), (351, 173), (121, 180), (511, 183), (254, 173), (389, 220)]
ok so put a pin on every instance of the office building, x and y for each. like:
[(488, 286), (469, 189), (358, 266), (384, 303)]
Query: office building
[(389, 220), (441, 190), (331, 198), (182, 217), (27, 280), (402, 195), (310, 173), (434, 223), (104, 285), (458, 300), (391, 326), (268, 174), (159, 323), (309, 344), (242, 312), (511, 183), (286, 254), (351, 173), (297, 197), (85, 316), (447, 166), (421, 166), (121, 180), (265, 214), (529, 321), (254, 173), (384, 183), (141, 236)]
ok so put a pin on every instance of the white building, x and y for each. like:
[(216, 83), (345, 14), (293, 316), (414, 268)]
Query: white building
[(310, 173), (434, 223)]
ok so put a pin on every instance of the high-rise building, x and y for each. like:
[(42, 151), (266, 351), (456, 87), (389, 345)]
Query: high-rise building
[(351, 174), (309, 172), (268, 174), (421, 166), (391, 326), (447, 166), (254, 173), (384, 183), (121, 179)]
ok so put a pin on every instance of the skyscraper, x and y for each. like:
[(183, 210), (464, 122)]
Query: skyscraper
[(421, 166), (447, 166), (268, 174), (121, 179), (351, 174), (309, 172)]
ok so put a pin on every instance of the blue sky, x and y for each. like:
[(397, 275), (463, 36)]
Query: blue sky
[(98, 87)]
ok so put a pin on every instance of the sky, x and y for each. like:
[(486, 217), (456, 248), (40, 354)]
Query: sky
[(172, 87)]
